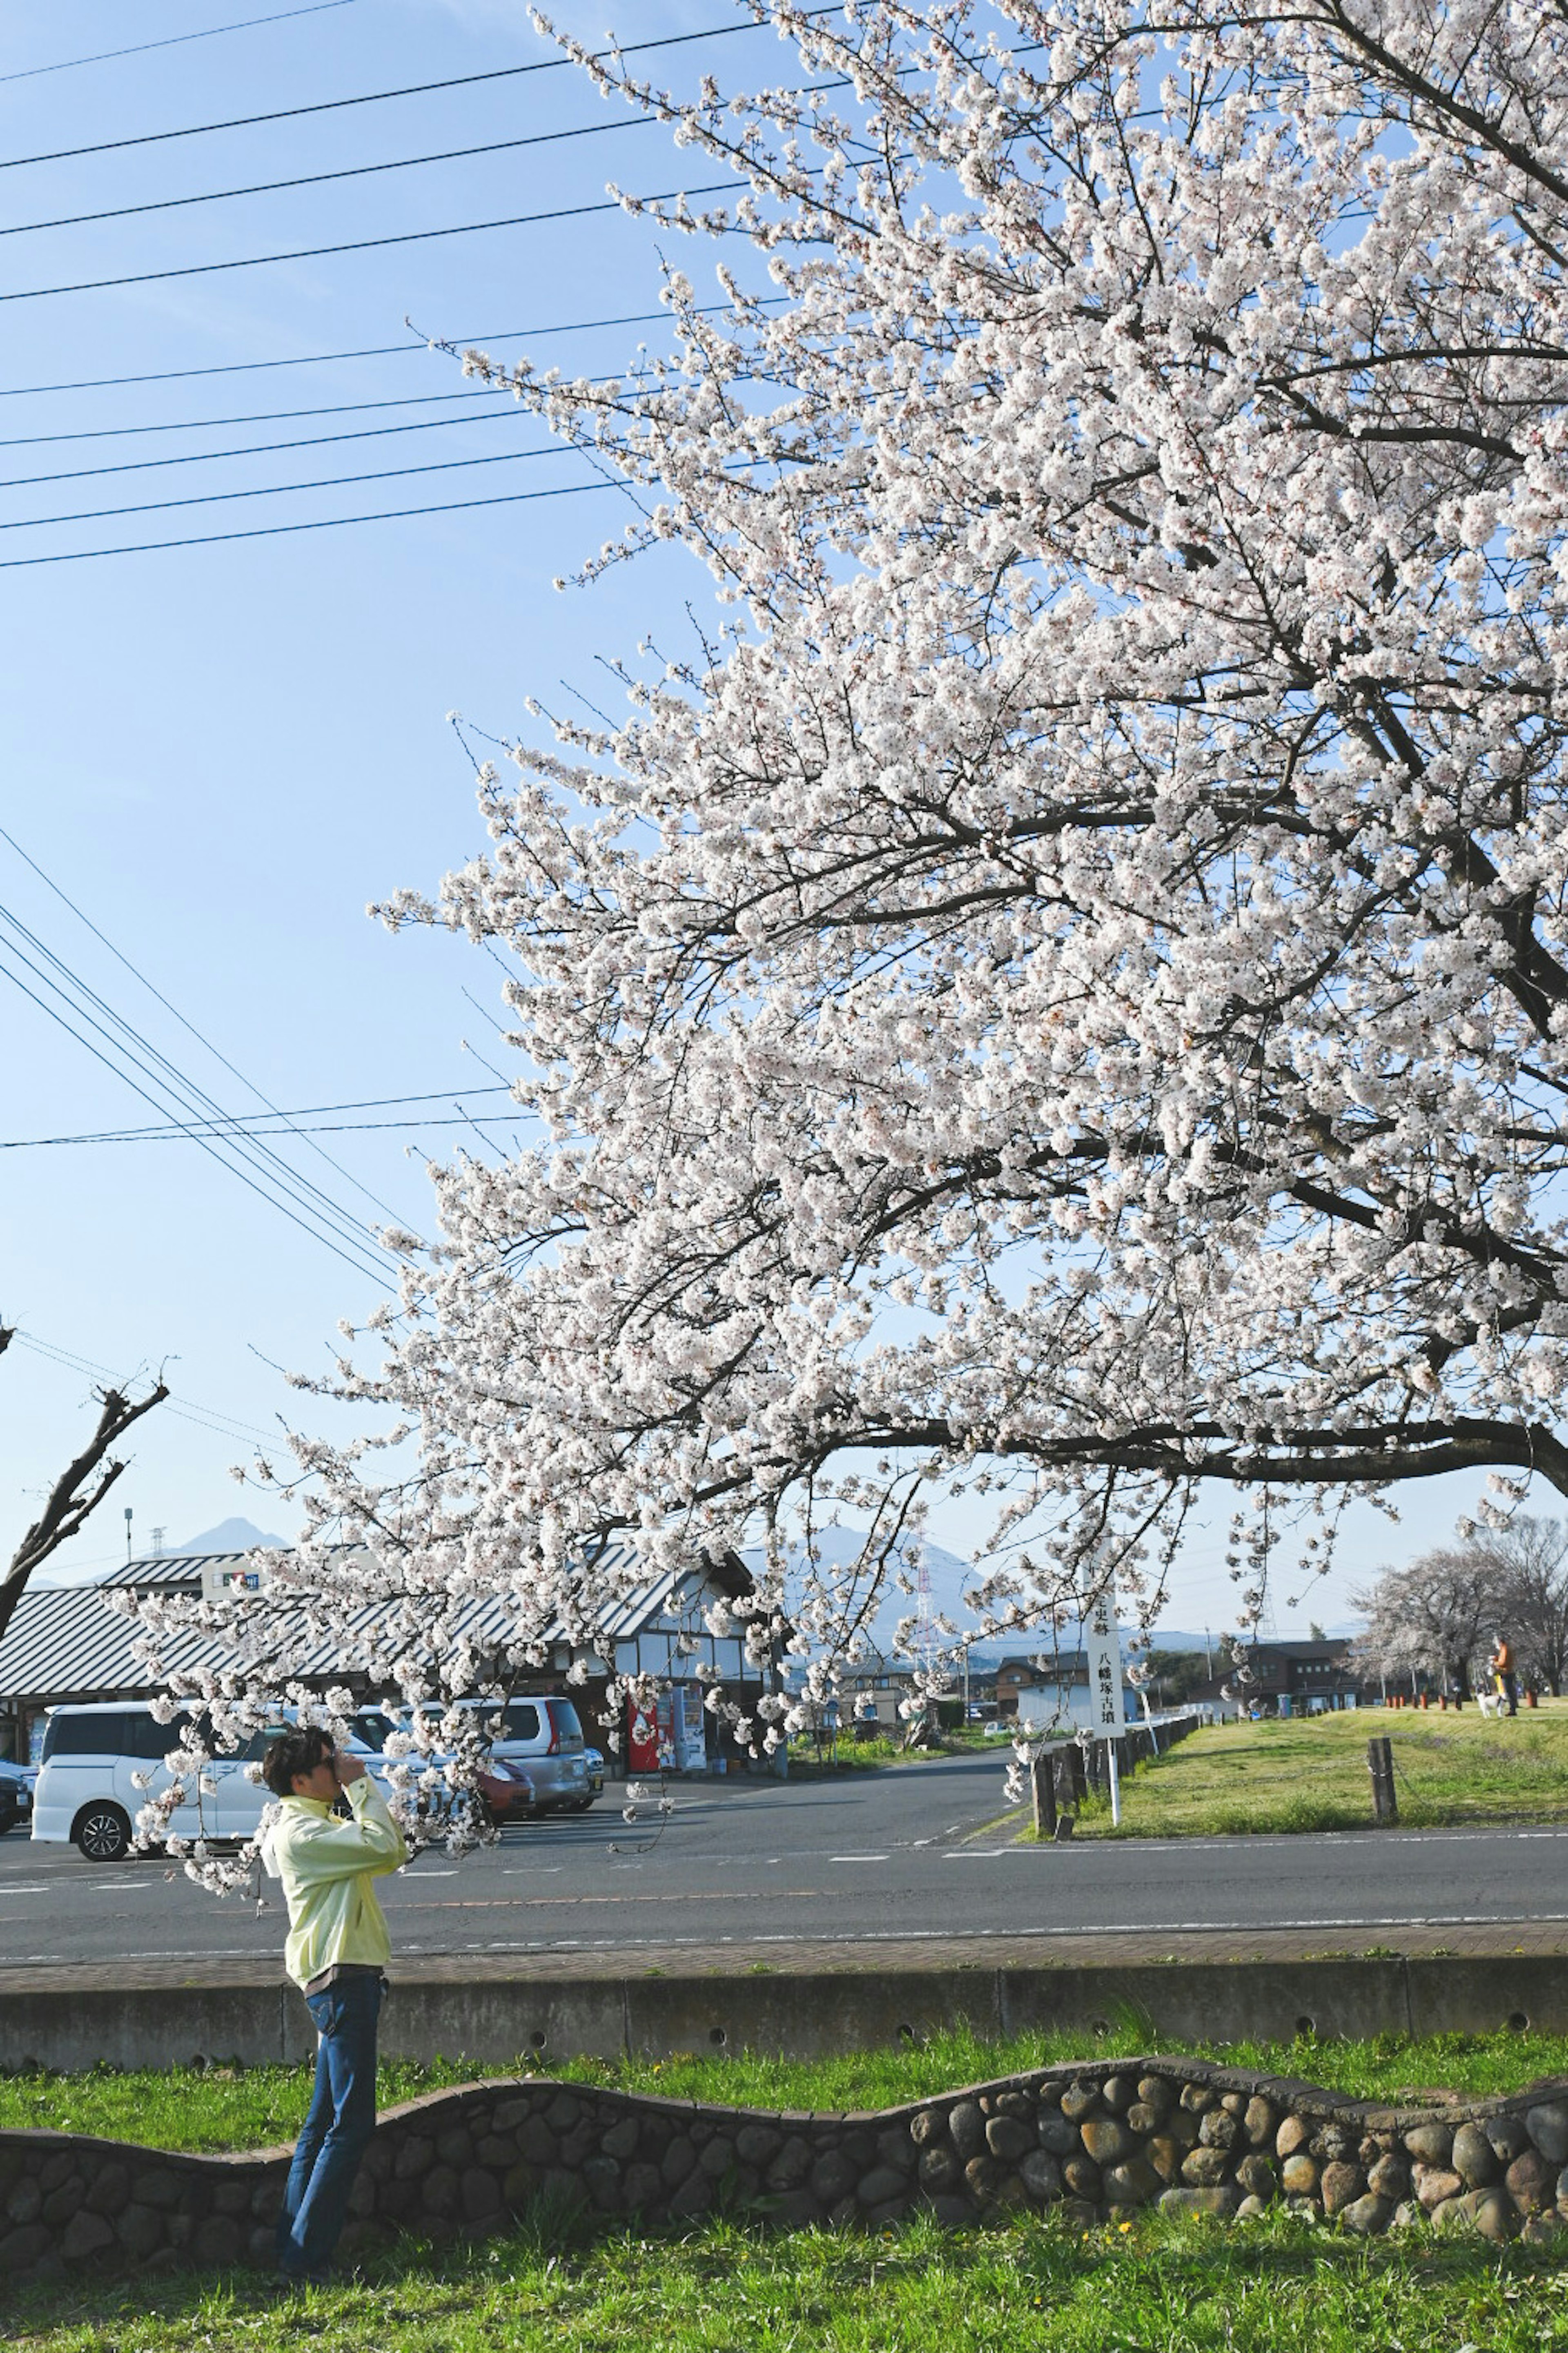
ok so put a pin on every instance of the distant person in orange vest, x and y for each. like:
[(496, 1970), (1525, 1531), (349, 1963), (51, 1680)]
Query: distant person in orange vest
[(1503, 1677)]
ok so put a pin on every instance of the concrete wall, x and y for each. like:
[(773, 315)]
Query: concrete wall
[(495, 2020)]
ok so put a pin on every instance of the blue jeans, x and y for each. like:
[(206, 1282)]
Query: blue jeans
[(337, 2129)]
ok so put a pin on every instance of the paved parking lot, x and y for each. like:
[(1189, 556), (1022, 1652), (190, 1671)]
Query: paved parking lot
[(910, 1856)]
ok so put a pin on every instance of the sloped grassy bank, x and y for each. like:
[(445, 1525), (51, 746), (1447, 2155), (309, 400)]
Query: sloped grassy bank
[(221, 2108), (1093, 2142)]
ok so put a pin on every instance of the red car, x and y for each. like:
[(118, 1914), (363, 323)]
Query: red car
[(507, 1791)]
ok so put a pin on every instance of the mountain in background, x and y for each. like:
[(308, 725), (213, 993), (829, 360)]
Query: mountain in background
[(949, 1576), (229, 1536)]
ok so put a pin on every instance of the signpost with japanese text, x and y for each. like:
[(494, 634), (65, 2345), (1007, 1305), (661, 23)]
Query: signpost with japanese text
[(1108, 1715)]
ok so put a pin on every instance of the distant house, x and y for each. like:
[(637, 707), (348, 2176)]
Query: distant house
[(63, 1645), (1050, 1688), (1292, 1678)]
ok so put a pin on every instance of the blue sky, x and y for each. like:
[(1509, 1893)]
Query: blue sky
[(221, 752)]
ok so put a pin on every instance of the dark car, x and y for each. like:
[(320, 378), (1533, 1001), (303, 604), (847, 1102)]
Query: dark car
[(16, 1794)]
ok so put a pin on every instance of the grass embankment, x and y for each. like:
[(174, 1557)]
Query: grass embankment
[(238, 2108), (1272, 2286), (554, 2286), (1311, 1774)]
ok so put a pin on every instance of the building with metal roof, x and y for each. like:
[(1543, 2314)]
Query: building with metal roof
[(64, 1643)]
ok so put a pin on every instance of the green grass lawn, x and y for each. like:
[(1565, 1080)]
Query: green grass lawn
[(223, 2109), (1033, 2285), (1311, 1774), (1272, 2286)]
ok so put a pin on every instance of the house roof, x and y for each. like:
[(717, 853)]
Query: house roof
[(66, 1641)]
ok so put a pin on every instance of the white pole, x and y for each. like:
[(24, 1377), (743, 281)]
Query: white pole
[(1115, 1785)]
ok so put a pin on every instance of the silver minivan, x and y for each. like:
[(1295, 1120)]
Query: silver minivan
[(542, 1733)]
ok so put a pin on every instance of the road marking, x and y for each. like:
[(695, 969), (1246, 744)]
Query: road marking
[(696, 1895), (859, 1858), (39, 1889)]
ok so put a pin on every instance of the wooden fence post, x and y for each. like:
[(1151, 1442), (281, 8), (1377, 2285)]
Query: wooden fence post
[(1043, 1792), (1380, 1765)]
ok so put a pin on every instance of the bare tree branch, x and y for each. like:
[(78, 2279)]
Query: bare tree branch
[(79, 1488)]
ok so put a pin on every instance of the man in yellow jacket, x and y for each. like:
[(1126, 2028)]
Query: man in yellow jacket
[(338, 1948)]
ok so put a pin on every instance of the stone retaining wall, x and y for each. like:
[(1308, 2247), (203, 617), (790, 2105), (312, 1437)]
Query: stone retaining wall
[(1099, 2141)]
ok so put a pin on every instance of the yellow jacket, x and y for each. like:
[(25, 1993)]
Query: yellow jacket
[(326, 1867)]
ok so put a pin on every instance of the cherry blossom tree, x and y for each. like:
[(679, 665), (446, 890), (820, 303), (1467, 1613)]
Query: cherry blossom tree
[(1058, 989)]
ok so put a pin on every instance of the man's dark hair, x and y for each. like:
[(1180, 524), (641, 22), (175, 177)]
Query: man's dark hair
[(300, 1750)]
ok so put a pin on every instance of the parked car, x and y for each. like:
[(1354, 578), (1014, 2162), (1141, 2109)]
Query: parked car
[(16, 1794), (508, 1792), (88, 1796), (543, 1735), (595, 1760)]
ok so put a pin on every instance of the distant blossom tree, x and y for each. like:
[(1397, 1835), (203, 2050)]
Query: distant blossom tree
[(1436, 1617), (1532, 1562), (1065, 993)]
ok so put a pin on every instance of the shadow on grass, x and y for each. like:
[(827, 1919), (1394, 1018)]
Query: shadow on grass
[(567, 2259)]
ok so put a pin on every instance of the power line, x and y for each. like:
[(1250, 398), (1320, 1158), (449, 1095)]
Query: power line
[(249, 1119), (294, 1218), (325, 523), (121, 959), (282, 490), (413, 345), (188, 1409), (189, 1134), (374, 97), (486, 398), (153, 1064), (338, 1222), (176, 40), (261, 449), (358, 245), (317, 179)]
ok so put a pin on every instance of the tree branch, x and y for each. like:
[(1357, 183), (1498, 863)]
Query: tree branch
[(76, 1493)]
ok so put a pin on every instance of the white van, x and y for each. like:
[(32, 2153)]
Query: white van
[(86, 1795)]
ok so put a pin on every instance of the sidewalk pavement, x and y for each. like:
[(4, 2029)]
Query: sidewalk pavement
[(1483, 1941)]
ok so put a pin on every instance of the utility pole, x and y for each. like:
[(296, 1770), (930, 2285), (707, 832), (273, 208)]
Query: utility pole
[(1208, 1657), (127, 1536)]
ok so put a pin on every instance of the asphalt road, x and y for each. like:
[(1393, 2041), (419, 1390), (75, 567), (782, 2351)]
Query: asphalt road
[(867, 1858)]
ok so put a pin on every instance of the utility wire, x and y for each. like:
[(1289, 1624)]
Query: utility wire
[(284, 490), (249, 1119), (325, 523), (360, 244), (176, 40), (189, 1134), (263, 1159), (414, 344), (261, 449), (486, 398), (316, 1234), (156, 1066), (189, 1027), (318, 179), (377, 97), (366, 171), (188, 1409)]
